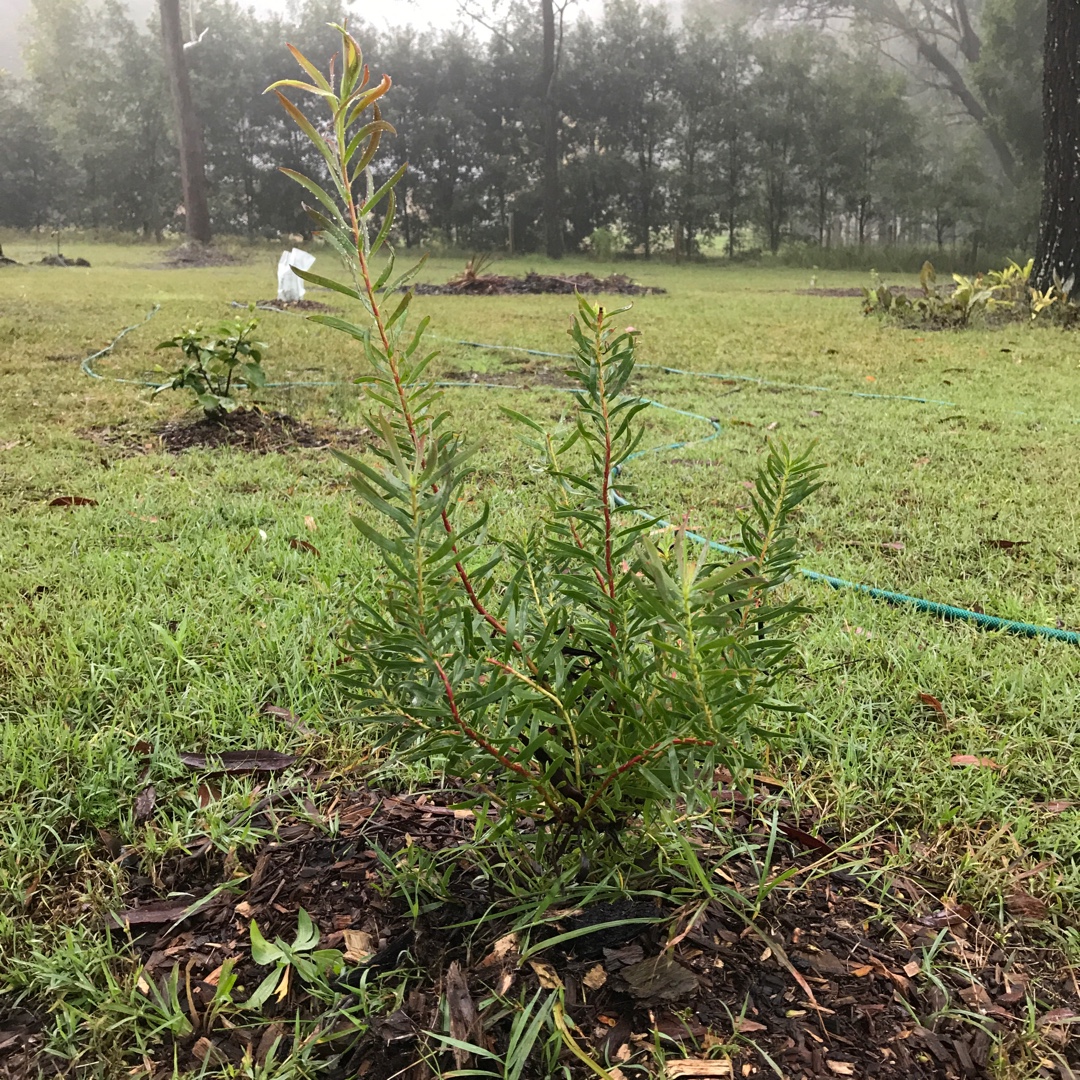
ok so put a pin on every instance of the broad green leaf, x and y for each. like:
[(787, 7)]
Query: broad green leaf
[(262, 952)]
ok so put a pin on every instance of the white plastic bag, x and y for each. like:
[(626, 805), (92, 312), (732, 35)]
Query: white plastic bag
[(289, 286)]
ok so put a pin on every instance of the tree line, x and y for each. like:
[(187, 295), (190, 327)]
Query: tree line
[(704, 135)]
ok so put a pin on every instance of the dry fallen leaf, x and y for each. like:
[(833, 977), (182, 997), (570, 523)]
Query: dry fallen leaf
[(238, 761), (359, 945), (685, 1068), (840, 1068), (502, 948), (745, 1026), (464, 1018), (73, 500), (144, 804), (207, 1053), (971, 759), (309, 523), (302, 545), (934, 703), (1026, 906), (595, 977), (548, 976)]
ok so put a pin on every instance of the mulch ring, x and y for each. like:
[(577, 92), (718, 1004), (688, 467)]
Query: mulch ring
[(533, 284), (907, 290), (826, 982), (189, 255), (248, 429), (293, 305)]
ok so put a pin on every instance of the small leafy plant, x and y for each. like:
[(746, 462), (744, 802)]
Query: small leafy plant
[(997, 295), (575, 675), (216, 364), (302, 957)]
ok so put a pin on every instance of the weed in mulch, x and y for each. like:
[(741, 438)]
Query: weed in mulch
[(251, 430), (532, 283), (821, 975)]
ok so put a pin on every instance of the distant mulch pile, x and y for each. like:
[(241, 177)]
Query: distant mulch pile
[(532, 284), (60, 260), (251, 430), (188, 256)]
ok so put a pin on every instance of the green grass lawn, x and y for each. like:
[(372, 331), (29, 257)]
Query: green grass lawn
[(167, 614)]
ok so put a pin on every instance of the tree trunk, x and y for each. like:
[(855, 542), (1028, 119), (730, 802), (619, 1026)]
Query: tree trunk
[(1058, 250), (552, 201), (192, 152)]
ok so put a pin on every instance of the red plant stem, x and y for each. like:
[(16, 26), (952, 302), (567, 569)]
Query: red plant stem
[(639, 759), (404, 402), (581, 546), (605, 490), (484, 744)]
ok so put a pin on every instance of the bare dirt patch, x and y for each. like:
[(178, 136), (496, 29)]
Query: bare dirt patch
[(251, 430)]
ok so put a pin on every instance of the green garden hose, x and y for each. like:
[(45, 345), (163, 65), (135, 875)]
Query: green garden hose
[(929, 607)]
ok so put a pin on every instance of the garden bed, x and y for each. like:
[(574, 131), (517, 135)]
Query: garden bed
[(252, 430), (532, 283), (826, 981)]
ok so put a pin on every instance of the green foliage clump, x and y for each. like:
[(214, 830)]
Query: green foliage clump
[(996, 296), (216, 364), (575, 675)]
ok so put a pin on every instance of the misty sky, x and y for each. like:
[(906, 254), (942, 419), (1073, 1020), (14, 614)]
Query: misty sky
[(391, 13)]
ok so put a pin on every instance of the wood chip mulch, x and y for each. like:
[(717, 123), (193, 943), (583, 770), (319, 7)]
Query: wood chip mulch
[(535, 284), (834, 976)]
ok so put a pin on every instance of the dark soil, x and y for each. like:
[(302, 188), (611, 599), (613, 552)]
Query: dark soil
[(826, 981), (249, 429), (533, 283), (5, 261)]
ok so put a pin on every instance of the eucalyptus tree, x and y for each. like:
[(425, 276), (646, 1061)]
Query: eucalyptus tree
[(188, 130), (1058, 252), (941, 42)]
